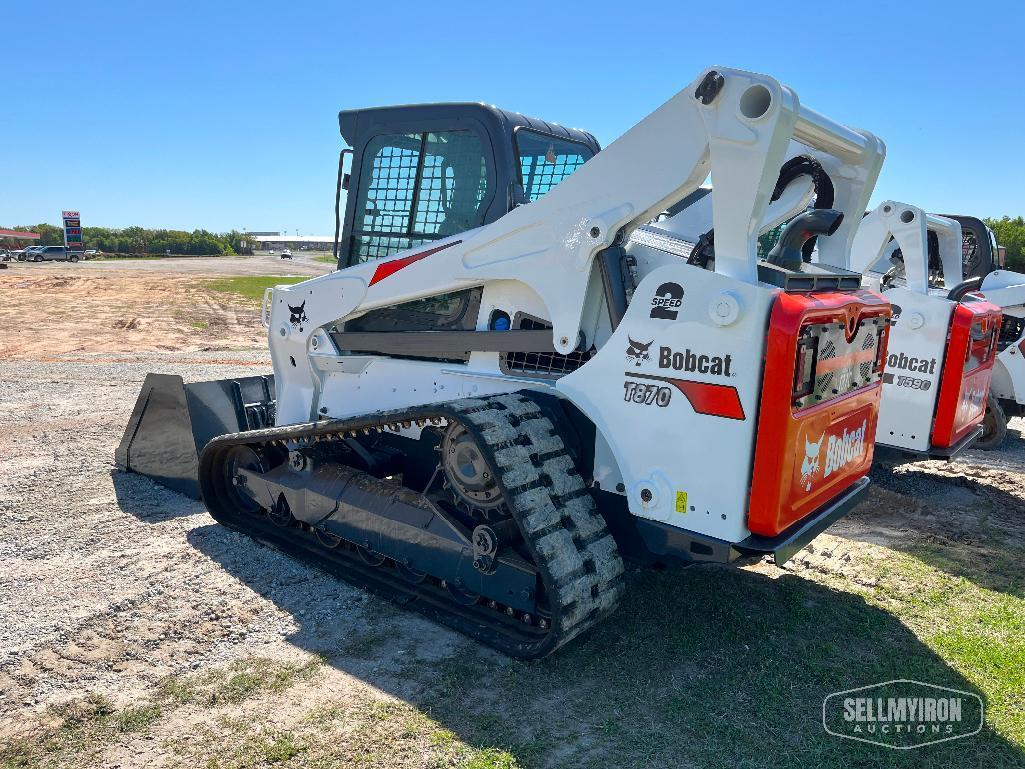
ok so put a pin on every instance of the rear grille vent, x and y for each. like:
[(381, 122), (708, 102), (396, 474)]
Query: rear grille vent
[(841, 366), (541, 364)]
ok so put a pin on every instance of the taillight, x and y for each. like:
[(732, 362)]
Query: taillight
[(880, 360), (804, 369)]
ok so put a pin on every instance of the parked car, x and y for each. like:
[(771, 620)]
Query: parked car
[(5, 255), (286, 254), (92, 253), (28, 254), (55, 254)]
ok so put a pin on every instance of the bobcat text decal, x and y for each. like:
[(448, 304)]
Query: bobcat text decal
[(973, 402), (843, 449), (719, 365), (920, 365)]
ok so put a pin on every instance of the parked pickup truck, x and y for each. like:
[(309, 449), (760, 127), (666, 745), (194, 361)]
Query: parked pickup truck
[(54, 254)]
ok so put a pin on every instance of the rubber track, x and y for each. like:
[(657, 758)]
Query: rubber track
[(579, 562)]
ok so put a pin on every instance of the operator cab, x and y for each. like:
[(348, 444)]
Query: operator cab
[(424, 172)]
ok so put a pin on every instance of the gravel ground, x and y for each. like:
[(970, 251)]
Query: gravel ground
[(111, 582)]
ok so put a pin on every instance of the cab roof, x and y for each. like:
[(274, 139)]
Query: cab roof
[(375, 120)]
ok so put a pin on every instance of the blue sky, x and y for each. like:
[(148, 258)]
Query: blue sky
[(222, 115)]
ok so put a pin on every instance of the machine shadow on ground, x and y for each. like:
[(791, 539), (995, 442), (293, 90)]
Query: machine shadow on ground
[(140, 497), (709, 667)]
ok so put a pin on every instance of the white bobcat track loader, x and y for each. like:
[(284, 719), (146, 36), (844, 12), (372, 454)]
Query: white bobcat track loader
[(944, 337), (483, 423)]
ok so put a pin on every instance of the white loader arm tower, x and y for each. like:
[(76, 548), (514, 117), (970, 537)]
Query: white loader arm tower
[(909, 226)]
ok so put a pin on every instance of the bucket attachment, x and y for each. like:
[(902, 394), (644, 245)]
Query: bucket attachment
[(173, 421)]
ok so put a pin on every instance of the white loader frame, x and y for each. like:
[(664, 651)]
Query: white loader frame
[(736, 126)]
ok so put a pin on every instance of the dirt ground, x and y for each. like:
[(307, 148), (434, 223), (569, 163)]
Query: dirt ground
[(134, 631), (56, 309)]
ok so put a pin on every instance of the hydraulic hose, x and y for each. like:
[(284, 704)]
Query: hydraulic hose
[(804, 165), (787, 253)]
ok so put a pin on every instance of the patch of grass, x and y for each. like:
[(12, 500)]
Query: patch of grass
[(82, 728), (238, 682), (202, 325), (325, 259), (19, 752), (136, 719), (250, 288), (280, 747), (178, 690), (369, 732), (489, 758)]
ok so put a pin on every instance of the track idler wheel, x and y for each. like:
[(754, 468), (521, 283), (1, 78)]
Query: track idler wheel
[(242, 458), (467, 473)]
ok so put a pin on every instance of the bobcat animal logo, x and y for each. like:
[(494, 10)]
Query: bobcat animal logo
[(638, 351), (298, 314), (811, 461)]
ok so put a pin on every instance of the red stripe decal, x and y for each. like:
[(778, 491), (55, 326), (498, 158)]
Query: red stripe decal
[(390, 268), (714, 400)]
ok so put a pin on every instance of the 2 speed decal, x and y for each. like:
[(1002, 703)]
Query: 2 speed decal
[(666, 303), (647, 394)]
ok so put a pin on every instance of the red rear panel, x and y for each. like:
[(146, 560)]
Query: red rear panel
[(814, 442), (967, 371)]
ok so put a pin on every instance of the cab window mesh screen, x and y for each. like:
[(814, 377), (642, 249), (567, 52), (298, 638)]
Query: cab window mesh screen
[(546, 161), (417, 188)]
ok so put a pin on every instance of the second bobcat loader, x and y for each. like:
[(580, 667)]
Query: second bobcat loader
[(493, 403), (944, 337)]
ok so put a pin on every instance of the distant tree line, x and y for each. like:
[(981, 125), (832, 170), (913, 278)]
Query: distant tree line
[(1011, 235), (139, 240)]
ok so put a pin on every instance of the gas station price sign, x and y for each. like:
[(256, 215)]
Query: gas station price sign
[(73, 231)]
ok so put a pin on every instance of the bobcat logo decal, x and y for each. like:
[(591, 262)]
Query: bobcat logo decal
[(298, 315), (638, 352), (811, 462)]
